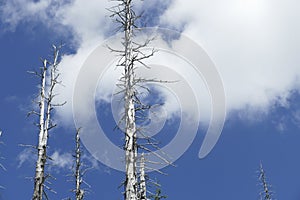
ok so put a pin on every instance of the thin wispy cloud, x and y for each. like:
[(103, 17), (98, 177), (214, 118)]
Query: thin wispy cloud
[(58, 161), (11, 98), (26, 156), (62, 160)]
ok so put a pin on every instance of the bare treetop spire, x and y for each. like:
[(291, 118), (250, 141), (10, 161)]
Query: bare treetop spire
[(266, 193)]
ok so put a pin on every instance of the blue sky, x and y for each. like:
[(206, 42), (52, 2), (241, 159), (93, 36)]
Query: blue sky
[(254, 44)]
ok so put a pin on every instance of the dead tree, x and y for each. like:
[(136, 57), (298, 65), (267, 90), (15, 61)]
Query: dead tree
[(125, 16), (265, 194), (79, 193), (79, 170), (48, 82), (132, 57)]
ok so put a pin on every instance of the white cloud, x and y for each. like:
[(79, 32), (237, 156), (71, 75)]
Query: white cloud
[(87, 21), (69, 69), (253, 43), (58, 160), (27, 155), (62, 160), (16, 11)]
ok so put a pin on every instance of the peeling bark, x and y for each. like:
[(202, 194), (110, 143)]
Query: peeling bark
[(130, 126), (45, 124)]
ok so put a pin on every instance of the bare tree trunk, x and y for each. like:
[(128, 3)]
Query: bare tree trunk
[(130, 126), (143, 189), (41, 160), (45, 123), (132, 57), (78, 177)]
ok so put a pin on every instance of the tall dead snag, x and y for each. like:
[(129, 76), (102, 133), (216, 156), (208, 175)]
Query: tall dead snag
[(125, 15), (47, 84), (79, 170), (130, 125), (266, 193), (132, 57), (79, 193)]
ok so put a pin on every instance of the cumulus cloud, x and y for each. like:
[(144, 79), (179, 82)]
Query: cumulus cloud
[(88, 23), (253, 43), (85, 21), (16, 11)]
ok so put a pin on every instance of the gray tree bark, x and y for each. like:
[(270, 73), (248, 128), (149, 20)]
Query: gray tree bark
[(79, 193), (42, 144), (45, 123), (130, 126), (132, 57)]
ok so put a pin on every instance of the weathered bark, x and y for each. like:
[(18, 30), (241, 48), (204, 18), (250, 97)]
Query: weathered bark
[(132, 57), (130, 129), (41, 160), (131, 184), (45, 124), (79, 193)]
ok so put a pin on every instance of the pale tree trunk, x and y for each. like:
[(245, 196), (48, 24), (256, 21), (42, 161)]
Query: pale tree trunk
[(143, 189), (132, 56), (45, 105), (41, 160), (78, 177), (130, 126)]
